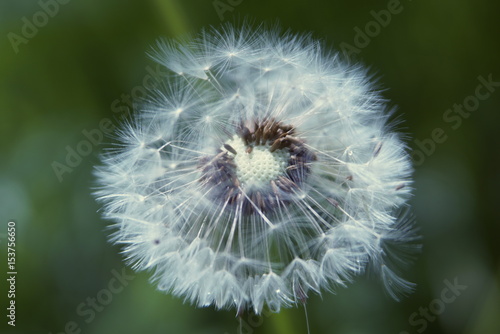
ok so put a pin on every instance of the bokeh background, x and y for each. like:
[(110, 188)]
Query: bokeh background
[(65, 77)]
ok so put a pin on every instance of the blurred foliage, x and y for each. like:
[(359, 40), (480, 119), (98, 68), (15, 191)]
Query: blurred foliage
[(65, 79)]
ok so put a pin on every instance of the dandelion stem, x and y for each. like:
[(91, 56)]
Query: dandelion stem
[(307, 319)]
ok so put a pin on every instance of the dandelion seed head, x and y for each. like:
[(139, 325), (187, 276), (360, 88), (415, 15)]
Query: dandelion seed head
[(262, 171)]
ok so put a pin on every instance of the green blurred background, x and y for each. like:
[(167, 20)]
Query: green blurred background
[(65, 78)]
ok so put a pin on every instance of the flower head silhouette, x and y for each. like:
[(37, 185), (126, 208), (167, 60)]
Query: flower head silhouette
[(264, 169)]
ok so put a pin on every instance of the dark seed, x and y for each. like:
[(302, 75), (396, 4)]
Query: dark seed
[(230, 149), (245, 134), (287, 128), (301, 294), (295, 141), (271, 201), (229, 194), (287, 183), (377, 149), (260, 201), (276, 145), (275, 188), (236, 181), (258, 135), (401, 186), (293, 167), (332, 202)]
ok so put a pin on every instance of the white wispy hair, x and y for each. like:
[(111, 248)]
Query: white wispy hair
[(263, 170)]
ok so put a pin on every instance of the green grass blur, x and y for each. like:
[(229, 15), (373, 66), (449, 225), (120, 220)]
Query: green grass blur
[(65, 78)]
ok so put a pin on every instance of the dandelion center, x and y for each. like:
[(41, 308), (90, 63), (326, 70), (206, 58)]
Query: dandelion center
[(258, 167), (264, 163)]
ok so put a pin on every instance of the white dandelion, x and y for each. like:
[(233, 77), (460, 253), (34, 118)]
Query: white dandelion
[(264, 170)]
